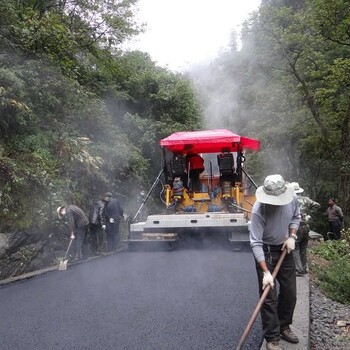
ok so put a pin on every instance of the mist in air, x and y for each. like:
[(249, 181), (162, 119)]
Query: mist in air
[(237, 94)]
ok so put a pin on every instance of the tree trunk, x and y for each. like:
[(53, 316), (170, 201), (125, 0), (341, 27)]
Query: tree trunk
[(345, 169)]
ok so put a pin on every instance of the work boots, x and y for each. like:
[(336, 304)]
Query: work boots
[(289, 336), (274, 344)]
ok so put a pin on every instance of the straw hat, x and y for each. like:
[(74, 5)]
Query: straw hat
[(297, 188), (275, 191)]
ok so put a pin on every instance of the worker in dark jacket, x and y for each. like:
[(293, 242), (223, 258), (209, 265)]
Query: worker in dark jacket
[(97, 226), (114, 213), (78, 224)]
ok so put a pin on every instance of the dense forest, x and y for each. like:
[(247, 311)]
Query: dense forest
[(79, 116), (286, 81)]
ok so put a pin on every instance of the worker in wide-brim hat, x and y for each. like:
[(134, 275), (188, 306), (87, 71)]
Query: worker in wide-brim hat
[(274, 223), (307, 207), (297, 188)]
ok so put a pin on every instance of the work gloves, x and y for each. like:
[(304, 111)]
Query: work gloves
[(103, 227), (289, 244), (111, 220), (267, 280)]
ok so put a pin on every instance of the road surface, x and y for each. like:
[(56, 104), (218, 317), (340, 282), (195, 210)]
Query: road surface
[(187, 299)]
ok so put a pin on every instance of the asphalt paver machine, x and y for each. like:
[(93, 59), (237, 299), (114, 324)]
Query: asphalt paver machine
[(217, 201)]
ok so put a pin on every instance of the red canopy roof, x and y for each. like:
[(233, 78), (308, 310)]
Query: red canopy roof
[(208, 141)]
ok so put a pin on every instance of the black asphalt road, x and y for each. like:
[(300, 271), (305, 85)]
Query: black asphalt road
[(187, 299)]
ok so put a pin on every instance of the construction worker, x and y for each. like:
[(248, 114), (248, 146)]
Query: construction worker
[(97, 226), (335, 219), (78, 224), (114, 213), (274, 224), (195, 166), (307, 206)]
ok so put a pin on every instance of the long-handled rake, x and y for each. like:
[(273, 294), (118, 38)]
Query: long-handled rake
[(63, 263), (261, 301)]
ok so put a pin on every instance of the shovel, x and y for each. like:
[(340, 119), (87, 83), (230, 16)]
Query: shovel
[(261, 301), (63, 263)]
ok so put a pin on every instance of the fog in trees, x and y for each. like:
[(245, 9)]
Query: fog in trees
[(286, 84)]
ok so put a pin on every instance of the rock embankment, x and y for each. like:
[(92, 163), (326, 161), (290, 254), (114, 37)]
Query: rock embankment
[(22, 252), (329, 320)]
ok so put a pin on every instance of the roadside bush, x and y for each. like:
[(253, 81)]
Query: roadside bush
[(335, 278), (345, 234), (332, 250)]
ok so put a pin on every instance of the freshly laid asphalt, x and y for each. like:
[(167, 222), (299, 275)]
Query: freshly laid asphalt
[(102, 304), (188, 299)]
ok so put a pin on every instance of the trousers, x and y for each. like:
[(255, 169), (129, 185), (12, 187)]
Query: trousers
[(80, 236), (335, 228), (278, 308), (300, 252), (96, 238), (112, 231)]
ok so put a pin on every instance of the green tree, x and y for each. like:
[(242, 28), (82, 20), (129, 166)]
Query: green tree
[(78, 117), (291, 78)]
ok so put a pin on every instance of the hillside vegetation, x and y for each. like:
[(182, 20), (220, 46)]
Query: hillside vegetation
[(79, 116), (287, 82)]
